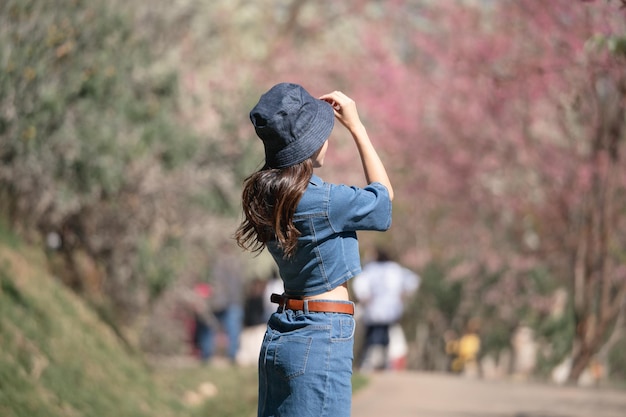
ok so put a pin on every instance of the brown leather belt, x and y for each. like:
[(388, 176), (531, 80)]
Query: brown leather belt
[(316, 306)]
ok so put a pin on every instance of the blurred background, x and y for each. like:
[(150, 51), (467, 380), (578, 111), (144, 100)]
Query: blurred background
[(124, 141)]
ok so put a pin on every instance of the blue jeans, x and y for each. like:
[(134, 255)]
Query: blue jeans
[(231, 320), (305, 365)]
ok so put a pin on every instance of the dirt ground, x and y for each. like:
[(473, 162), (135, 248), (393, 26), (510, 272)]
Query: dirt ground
[(415, 394)]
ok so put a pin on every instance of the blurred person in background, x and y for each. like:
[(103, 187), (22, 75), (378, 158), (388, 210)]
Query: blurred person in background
[(309, 227), (254, 305), (465, 350), (199, 320), (382, 290), (226, 303)]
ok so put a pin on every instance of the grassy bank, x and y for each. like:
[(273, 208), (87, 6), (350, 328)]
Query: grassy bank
[(58, 359)]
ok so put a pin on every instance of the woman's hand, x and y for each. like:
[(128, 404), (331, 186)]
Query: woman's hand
[(345, 109)]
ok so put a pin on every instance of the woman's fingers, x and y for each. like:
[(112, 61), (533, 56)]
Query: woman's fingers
[(336, 99)]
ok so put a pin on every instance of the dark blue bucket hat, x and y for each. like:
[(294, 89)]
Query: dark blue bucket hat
[(292, 124)]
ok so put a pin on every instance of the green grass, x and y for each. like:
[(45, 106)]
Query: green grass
[(236, 389), (7, 237), (59, 359)]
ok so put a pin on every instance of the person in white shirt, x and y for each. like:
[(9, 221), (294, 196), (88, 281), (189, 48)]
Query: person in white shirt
[(382, 289)]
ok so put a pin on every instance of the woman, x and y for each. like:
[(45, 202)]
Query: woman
[(309, 227)]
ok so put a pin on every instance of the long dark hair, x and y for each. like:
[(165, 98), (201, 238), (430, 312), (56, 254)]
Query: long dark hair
[(269, 198)]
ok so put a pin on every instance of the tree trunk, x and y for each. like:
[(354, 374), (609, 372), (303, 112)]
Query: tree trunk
[(598, 299)]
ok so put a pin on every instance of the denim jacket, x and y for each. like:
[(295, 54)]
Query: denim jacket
[(328, 217)]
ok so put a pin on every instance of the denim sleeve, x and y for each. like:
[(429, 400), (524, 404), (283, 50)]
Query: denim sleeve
[(353, 208)]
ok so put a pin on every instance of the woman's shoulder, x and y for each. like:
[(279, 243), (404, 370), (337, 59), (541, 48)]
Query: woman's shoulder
[(316, 181)]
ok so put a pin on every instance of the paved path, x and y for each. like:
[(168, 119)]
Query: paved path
[(415, 394)]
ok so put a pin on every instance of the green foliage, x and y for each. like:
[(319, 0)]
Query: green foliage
[(612, 43), (543, 282), (495, 335), (84, 95), (160, 265), (445, 295), (437, 303), (558, 334)]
